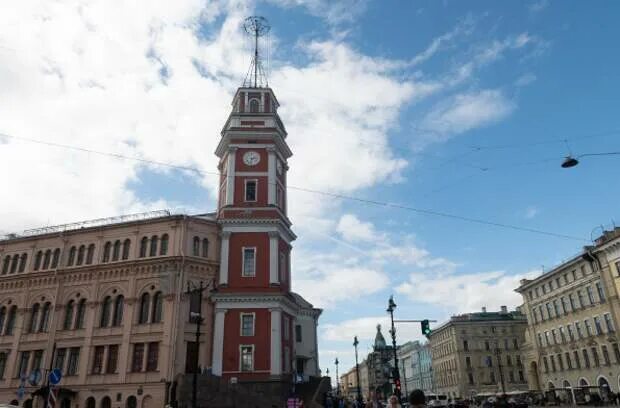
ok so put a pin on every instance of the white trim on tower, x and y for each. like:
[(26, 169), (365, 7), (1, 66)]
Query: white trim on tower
[(218, 341), (230, 176), (273, 258), (224, 251), (271, 179), (276, 341)]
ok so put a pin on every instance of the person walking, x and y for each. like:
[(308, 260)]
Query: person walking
[(417, 399), (393, 402)]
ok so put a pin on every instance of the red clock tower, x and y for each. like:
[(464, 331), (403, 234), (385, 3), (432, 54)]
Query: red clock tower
[(254, 310)]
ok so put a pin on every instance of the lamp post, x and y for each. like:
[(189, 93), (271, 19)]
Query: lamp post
[(390, 310), (336, 362), (357, 370)]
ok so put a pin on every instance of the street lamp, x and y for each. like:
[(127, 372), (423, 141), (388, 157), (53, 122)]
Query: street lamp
[(390, 310), (571, 161), (357, 370), (337, 384)]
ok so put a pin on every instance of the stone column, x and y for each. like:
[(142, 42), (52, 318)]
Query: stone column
[(224, 254), (218, 341), (276, 341), (230, 176), (271, 176), (273, 258)]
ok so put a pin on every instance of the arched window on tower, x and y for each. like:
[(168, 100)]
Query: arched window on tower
[(153, 251), (143, 244), (145, 302), (80, 255), (106, 252), (5, 265), (14, 263), (34, 318), (157, 308), (10, 321), (90, 254), (254, 105), (56, 258), (163, 250), (116, 252), (119, 303), (22, 262), (68, 322), (205, 247), (126, 247), (72, 253), (106, 305), (37, 260), (79, 315), (45, 317), (196, 247)]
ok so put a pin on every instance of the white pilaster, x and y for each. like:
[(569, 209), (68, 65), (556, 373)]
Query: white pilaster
[(230, 176), (271, 177), (224, 252), (273, 258), (218, 341), (276, 341)]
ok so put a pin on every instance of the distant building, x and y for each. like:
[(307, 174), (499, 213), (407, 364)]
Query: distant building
[(416, 366), (380, 363), (478, 353), (573, 311)]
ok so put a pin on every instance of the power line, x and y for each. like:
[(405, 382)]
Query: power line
[(312, 191)]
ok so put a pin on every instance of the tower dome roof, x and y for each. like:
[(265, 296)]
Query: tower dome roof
[(379, 339)]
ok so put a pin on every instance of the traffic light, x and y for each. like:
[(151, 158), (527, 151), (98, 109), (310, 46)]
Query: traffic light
[(397, 385), (426, 328)]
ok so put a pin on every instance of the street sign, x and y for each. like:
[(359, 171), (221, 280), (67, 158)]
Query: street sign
[(35, 378), (55, 376)]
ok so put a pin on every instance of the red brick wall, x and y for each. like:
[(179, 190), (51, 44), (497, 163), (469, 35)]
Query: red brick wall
[(260, 240), (261, 339)]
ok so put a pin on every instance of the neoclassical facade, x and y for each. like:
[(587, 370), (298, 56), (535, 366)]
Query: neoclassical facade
[(573, 311), (105, 304)]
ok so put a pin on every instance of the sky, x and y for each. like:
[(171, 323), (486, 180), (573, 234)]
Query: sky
[(459, 108)]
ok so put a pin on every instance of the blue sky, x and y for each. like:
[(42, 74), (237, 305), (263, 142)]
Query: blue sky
[(457, 107)]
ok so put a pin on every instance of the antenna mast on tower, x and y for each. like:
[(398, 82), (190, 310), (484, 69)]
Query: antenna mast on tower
[(258, 27)]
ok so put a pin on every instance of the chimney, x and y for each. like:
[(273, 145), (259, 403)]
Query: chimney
[(504, 309), (484, 309)]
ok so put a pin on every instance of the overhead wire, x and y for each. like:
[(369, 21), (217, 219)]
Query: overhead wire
[(380, 203)]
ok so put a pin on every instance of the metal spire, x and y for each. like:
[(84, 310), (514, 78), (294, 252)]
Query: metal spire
[(258, 27)]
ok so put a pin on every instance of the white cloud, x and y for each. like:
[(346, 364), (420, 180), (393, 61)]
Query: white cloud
[(334, 12), (365, 328), (525, 79), (465, 292), (531, 212), (352, 228), (538, 6)]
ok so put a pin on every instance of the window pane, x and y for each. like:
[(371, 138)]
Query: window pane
[(138, 357), (250, 191), (247, 325), (112, 359), (248, 262)]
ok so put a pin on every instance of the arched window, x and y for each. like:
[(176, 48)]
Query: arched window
[(157, 308), (2, 318), (3, 358), (116, 252), (79, 316), (34, 317), (90, 254), (80, 255), (14, 263), (22, 262), (5, 265), (106, 402), (72, 253), (90, 402), (163, 250), (205, 247), (254, 105), (117, 320), (153, 250), (126, 247), (145, 302), (45, 317), (47, 258), (106, 252), (132, 402), (56, 258), (196, 247), (37, 260), (10, 321), (143, 244), (68, 322), (106, 305)]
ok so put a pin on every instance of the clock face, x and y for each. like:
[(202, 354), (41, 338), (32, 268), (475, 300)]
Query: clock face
[(251, 158), (279, 167)]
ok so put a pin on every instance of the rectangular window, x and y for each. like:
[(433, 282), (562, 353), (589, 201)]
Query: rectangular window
[(470, 377), (566, 279), (518, 361), (534, 316), (616, 352), (249, 262), (608, 323), (468, 362), (521, 377), (247, 358), (600, 291), (560, 362), (152, 356), (597, 325), (59, 361), (546, 364), (569, 363), (515, 344), (112, 362), (540, 339), (74, 361), (98, 360), (549, 314), (571, 300), (562, 335), (590, 294), (606, 359), (552, 360), (298, 333), (595, 357), (247, 324), (586, 358), (564, 305), (577, 359), (547, 338), (137, 357), (578, 329), (569, 331), (191, 356), (37, 359), (557, 282), (580, 299), (555, 336), (540, 312), (574, 273), (556, 308), (583, 270), (586, 323), (544, 289), (24, 359), (2, 364), (250, 190), (538, 293)]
